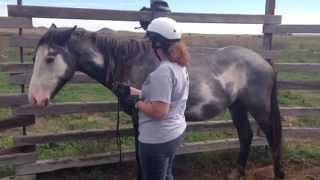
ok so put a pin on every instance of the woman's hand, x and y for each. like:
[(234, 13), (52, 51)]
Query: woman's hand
[(135, 92)]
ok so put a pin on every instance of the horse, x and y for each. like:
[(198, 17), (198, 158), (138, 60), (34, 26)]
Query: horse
[(232, 77)]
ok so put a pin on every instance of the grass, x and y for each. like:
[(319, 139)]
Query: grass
[(91, 92)]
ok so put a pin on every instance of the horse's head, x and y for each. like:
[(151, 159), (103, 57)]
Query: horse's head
[(53, 65)]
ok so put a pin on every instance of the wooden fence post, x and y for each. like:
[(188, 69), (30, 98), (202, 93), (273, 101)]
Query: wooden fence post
[(267, 37), (24, 129)]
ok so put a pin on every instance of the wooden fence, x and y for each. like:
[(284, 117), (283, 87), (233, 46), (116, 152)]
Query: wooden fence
[(23, 155)]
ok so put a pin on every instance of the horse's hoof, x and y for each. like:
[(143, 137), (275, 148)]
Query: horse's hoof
[(235, 175), (280, 175)]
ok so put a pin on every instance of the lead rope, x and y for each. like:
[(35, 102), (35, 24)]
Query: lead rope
[(118, 135)]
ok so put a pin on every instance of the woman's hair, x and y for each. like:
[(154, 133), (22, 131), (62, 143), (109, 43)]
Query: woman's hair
[(179, 53)]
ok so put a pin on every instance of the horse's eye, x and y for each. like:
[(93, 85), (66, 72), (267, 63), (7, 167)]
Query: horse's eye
[(49, 60)]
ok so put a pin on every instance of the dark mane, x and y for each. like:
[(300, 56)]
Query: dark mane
[(110, 45), (54, 36)]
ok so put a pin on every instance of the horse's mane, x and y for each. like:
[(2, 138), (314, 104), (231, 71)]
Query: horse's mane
[(110, 45), (107, 43)]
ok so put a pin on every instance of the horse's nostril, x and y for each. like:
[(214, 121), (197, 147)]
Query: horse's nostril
[(34, 100), (46, 102)]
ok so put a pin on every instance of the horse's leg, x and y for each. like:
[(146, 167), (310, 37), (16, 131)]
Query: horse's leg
[(264, 118), (240, 119)]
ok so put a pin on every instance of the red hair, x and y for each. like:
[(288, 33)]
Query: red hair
[(179, 53)]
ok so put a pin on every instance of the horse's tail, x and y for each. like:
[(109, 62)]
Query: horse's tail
[(275, 117)]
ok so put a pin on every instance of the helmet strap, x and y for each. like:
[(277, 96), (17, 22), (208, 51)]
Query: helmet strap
[(157, 54)]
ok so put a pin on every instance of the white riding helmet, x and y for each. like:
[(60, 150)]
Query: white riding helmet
[(166, 27), (162, 32)]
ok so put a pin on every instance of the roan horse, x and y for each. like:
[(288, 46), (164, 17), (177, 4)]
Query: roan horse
[(232, 77)]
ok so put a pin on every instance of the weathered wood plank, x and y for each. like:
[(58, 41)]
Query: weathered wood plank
[(103, 133), (299, 85), (16, 68), (15, 22), (292, 28), (300, 111), (99, 159), (31, 42), (300, 132), (67, 108), (298, 67), (281, 67), (92, 134), (17, 159), (17, 121), (24, 41), (18, 149), (99, 14), (79, 78), (24, 177), (13, 99)]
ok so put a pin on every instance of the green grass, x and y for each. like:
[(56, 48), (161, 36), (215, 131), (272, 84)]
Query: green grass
[(303, 152), (84, 92), (299, 98), (300, 56), (7, 171), (6, 142), (5, 87), (5, 112)]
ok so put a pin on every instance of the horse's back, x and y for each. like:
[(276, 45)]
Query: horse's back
[(253, 74), (225, 75)]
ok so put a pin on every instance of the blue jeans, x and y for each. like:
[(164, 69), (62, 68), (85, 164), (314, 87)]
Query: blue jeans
[(157, 159)]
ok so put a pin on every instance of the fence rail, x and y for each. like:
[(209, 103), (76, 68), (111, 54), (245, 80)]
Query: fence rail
[(16, 121), (13, 68), (80, 78), (9, 100), (120, 15), (283, 29), (17, 159), (98, 159), (32, 41), (15, 22), (107, 134)]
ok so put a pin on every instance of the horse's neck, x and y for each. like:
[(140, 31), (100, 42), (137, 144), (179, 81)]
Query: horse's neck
[(105, 55)]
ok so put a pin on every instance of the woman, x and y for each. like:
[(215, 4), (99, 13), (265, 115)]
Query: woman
[(161, 112)]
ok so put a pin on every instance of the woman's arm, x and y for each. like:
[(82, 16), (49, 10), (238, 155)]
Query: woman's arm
[(155, 109)]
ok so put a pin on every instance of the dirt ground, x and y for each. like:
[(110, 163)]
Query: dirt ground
[(126, 171)]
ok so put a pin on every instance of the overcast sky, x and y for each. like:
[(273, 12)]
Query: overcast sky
[(292, 11)]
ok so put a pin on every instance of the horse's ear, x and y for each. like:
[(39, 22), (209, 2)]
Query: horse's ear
[(53, 26), (66, 34)]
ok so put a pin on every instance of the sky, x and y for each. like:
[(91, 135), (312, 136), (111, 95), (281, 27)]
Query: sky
[(292, 12)]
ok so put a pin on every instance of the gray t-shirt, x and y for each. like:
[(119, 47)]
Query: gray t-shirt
[(169, 83)]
